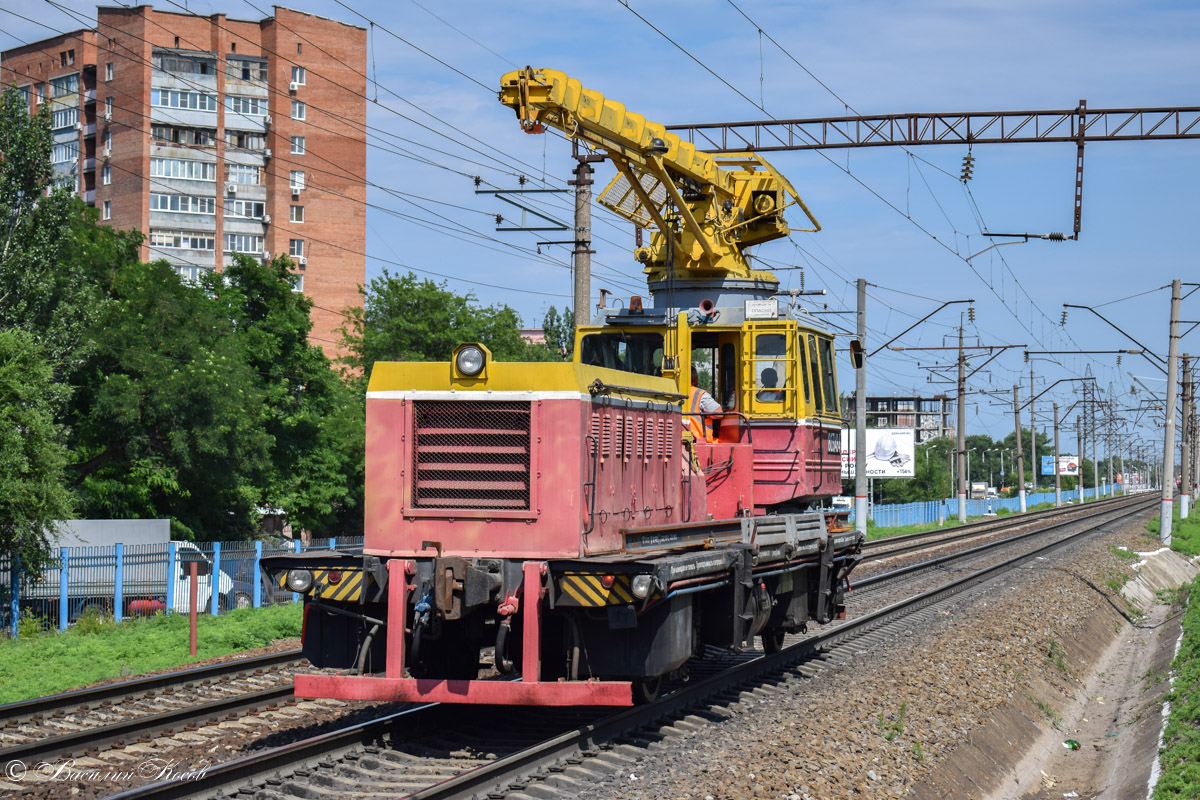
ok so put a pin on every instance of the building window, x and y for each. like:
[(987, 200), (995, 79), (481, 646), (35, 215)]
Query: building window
[(108, 71), (245, 69), (107, 209), (182, 240), (107, 142), (243, 243), (66, 58), (297, 180), (298, 47), (250, 106), (65, 118), (191, 273), (182, 65), (60, 87), (245, 140), (299, 74), (108, 107), (299, 110), (297, 214), (297, 282), (197, 101), (64, 153), (182, 203), (180, 168), (41, 93), (251, 209), (296, 248), (203, 137), (297, 145), (106, 175), (240, 173)]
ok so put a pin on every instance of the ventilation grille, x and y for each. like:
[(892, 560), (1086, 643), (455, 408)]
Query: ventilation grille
[(620, 198), (471, 455)]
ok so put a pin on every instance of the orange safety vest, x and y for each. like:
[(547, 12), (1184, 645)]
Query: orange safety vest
[(701, 430)]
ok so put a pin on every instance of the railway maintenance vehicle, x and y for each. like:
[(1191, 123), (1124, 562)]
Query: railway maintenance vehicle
[(582, 522)]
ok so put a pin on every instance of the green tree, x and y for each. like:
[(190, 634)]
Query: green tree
[(166, 422), (314, 421), (405, 318), (560, 331), (33, 458)]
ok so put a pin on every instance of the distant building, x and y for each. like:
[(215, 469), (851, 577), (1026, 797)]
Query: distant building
[(215, 136), (929, 416)]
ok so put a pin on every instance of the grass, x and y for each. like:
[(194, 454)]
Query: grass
[(1180, 755), (891, 728), (96, 649), (1057, 656)]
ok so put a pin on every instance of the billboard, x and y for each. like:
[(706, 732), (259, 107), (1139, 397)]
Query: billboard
[(889, 453), (1067, 465)]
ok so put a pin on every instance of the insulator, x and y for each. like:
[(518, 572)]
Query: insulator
[(1056, 237), (970, 313), (478, 180), (1026, 356), (1064, 317), (521, 180), (1118, 359), (802, 279), (499, 218), (968, 163)]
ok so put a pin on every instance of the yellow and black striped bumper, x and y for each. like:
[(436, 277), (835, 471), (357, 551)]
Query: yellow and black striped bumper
[(347, 590), (587, 591)]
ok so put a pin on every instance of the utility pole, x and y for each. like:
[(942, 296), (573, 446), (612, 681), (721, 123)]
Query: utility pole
[(860, 418), (962, 425), (1057, 479), (1168, 483), (1079, 441), (583, 236), (1020, 450), (1032, 431), (1185, 464)]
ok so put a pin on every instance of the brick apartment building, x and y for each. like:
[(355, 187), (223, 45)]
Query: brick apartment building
[(216, 136)]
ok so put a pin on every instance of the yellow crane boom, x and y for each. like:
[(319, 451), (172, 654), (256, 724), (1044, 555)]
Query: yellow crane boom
[(723, 203)]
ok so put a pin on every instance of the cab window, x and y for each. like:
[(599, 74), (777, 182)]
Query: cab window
[(828, 378), (770, 367), (814, 371), (640, 353)]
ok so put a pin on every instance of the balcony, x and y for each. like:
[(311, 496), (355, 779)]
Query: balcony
[(89, 96)]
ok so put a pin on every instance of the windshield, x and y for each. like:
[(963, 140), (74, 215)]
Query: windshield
[(629, 352)]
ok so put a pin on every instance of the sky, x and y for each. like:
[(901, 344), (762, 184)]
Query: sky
[(900, 219)]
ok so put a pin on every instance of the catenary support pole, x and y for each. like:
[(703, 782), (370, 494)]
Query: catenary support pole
[(583, 241), (1057, 478), (1168, 466), (962, 432), (1185, 462), (1020, 450), (860, 417), (1033, 461)]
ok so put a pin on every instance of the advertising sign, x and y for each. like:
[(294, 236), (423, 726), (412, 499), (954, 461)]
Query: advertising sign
[(889, 453), (1067, 465)]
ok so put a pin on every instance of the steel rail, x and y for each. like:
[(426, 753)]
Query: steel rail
[(24, 709), (976, 528), (47, 749), (220, 779)]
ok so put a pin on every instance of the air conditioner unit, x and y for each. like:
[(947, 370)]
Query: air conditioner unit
[(293, 86), (301, 260), (296, 191), (267, 153), (267, 119), (266, 219), (231, 188), (78, 126), (108, 151), (107, 115), (266, 255)]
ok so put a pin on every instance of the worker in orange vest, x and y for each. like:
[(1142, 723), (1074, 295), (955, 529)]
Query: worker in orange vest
[(699, 402)]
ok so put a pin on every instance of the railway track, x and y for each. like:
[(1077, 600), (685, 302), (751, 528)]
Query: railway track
[(87, 720), (433, 751)]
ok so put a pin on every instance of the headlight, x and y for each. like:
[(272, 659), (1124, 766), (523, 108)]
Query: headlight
[(470, 361), (642, 585), (299, 580)]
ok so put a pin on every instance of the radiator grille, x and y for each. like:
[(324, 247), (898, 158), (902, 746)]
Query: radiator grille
[(471, 455)]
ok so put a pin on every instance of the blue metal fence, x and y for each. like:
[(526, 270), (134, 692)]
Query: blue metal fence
[(935, 512), (122, 580)]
